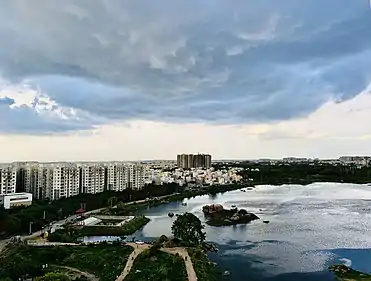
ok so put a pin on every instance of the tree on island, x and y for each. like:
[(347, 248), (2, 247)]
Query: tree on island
[(189, 229)]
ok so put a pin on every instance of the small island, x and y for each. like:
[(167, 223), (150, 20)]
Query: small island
[(345, 273), (218, 216)]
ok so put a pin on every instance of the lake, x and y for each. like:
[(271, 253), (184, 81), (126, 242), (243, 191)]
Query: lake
[(311, 227)]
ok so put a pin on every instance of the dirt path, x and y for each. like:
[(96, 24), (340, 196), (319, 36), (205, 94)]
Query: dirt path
[(137, 250), (88, 275), (140, 248), (187, 259), (3, 244)]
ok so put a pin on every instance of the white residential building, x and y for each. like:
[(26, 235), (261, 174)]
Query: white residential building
[(8, 179), (124, 175), (136, 176), (92, 178), (15, 199), (31, 180), (66, 180), (117, 176), (52, 181)]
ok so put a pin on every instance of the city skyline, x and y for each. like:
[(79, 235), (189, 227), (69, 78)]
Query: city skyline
[(257, 79)]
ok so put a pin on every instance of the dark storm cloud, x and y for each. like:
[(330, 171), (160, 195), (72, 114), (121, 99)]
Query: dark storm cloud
[(188, 61)]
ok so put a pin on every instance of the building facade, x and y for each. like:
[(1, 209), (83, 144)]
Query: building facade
[(92, 178), (16, 199), (188, 161), (124, 175), (8, 179)]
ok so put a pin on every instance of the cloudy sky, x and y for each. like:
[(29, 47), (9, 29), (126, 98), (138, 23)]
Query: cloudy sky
[(128, 80)]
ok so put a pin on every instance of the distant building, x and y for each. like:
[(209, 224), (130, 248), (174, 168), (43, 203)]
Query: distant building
[(124, 175), (188, 161), (8, 179), (358, 160), (295, 159), (15, 199)]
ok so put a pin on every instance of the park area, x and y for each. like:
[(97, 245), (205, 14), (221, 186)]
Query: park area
[(102, 262)]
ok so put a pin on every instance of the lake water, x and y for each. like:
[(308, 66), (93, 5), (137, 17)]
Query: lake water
[(311, 227)]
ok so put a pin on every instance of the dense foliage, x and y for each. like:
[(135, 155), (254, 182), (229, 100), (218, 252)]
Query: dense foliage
[(104, 260), (157, 266), (53, 276), (344, 273), (205, 270), (189, 229), (302, 173)]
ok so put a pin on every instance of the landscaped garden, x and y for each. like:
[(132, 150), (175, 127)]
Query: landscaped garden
[(72, 234), (157, 266), (105, 261)]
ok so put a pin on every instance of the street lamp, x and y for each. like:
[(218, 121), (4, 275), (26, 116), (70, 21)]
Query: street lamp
[(30, 228)]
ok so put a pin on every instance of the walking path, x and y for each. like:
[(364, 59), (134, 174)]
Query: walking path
[(88, 275), (137, 250), (187, 259), (177, 250)]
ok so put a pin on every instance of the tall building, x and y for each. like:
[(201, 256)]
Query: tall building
[(8, 179), (188, 161), (31, 173), (69, 180), (136, 176), (117, 176), (92, 178)]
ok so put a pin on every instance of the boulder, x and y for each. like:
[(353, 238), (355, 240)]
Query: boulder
[(210, 209)]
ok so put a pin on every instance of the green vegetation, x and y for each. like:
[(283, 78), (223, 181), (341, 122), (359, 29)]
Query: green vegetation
[(71, 235), (53, 276), (126, 229), (301, 173), (189, 229), (157, 266), (205, 269), (105, 261), (61, 274), (345, 273)]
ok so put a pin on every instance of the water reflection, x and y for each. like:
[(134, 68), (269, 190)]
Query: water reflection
[(306, 225)]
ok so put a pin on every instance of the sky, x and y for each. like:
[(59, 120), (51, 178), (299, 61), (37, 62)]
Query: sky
[(130, 80)]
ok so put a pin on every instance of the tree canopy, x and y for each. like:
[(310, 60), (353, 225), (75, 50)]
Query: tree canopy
[(189, 229), (53, 276)]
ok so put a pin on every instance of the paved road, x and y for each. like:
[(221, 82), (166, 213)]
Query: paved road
[(178, 250)]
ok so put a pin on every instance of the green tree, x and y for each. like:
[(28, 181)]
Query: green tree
[(53, 276), (189, 229)]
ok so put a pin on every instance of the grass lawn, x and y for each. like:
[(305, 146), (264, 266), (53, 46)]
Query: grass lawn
[(158, 267), (104, 260)]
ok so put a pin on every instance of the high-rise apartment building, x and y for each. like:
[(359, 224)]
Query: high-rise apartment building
[(188, 161), (31, 182), (136, 176), (52, 181), (92, 178), (123, 175), (8, 179), (117, 176)]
